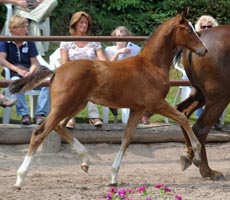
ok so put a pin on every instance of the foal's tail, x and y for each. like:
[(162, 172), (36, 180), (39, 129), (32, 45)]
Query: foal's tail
[(31, 81)]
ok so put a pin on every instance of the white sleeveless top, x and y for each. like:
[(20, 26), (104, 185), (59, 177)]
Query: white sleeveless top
[(86, 52)]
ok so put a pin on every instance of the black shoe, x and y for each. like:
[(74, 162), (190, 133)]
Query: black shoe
[(26, 120)]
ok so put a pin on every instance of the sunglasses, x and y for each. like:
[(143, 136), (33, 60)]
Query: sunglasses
[(205, 27)]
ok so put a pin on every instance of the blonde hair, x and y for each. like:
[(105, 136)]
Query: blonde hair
[(124, 31), (16, 21), (205, 18), (75, 18)]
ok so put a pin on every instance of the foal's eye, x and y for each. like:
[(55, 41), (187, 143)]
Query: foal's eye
[(190, 31)]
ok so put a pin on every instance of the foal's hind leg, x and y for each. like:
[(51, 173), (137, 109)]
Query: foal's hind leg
[(134, 118), (77, 146), (38, 135)]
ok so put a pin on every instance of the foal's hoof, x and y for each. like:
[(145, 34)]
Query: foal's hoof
[(85, 167), (196, 162), (16, 187), (185, 162), (113, 184)]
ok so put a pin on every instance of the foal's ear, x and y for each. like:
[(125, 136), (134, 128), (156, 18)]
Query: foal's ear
[(185, 13)]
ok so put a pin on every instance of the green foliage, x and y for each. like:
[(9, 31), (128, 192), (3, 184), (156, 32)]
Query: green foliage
[(2, 17), (141, 17)]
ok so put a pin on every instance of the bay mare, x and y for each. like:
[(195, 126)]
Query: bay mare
[(210, 76), (140, 83)]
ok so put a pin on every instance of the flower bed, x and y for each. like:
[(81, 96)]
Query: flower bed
[(158, 192)]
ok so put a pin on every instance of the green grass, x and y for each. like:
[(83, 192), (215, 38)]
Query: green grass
[(82, 117)]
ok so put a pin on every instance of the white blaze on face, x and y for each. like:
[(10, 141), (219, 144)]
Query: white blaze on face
[(190, 24)]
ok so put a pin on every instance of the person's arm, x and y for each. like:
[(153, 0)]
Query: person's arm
[(33, 67), (114, 56), (64, 56), (124, 50), (100, 54), (10, 66)]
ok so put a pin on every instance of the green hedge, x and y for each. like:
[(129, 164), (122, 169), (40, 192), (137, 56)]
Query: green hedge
[(140, 16)]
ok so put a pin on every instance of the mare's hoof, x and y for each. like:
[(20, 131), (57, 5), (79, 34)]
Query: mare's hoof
[(85, 168), (219, 177), (185, 162), (215, 176)]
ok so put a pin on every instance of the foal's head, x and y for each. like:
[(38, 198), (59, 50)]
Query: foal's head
[(186, 36)]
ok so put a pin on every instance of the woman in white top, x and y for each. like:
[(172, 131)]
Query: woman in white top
[(80, 25), (117, 52)]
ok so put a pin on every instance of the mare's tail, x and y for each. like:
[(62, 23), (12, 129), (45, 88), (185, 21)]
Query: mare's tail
[(31, 81)]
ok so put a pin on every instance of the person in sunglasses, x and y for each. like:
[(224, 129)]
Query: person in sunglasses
[(205, 22)]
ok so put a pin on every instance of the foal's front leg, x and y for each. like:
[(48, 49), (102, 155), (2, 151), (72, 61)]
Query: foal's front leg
[(170, 112), (134, 118)]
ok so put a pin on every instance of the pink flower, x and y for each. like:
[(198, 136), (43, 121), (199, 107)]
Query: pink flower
[(160, 185), (113, 189), (131, 191), (167, 189), (178, 197), (141, 189), (109, 196), (122, 193)]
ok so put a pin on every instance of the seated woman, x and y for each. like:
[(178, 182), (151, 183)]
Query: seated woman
[(80, 25), (20, 57)]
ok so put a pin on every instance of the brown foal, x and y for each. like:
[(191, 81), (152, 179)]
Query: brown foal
[(140, 83)]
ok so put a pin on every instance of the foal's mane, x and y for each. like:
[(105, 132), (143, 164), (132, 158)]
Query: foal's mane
[(170, 24)]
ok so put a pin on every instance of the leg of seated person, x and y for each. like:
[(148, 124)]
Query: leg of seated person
[(21, 106), (22, 109), (115, 114), (93, 113), (39, 13), (43, 105)]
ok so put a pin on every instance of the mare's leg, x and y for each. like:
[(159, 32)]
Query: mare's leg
[(134, 118), (202, 127), (166, 110)]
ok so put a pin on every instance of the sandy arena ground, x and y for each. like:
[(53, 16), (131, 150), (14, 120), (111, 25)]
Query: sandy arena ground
[(58, 176)]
